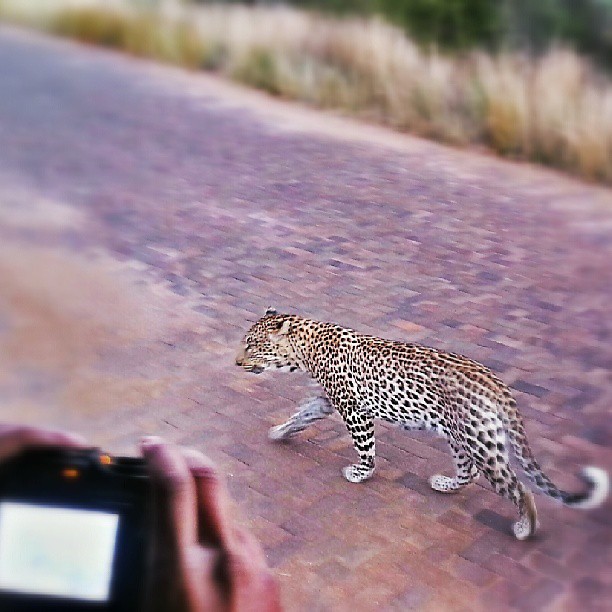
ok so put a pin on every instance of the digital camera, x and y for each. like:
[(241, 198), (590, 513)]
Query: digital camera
[(75, 531)]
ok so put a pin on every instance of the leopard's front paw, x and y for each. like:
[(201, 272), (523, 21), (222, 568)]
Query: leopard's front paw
[(357, 472), (443, 484), (281, 432)]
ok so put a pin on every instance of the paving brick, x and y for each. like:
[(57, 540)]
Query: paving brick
[(459, 521), (276, 555), (472, 572), (480, 550), (510, 569), (549, 567), (493, 520), (413, 598), (334, 570), (591, 593), (540, 596)]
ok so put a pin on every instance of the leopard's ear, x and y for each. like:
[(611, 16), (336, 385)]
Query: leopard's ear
[(282, 330), (271, 311)]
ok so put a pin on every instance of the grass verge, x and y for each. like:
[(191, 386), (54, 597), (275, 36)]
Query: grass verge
[(554, 109)]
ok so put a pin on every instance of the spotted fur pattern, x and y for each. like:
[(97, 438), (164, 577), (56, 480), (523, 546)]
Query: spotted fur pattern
[(416, 387)]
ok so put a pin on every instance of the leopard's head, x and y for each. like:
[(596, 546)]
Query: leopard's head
[(266, 345)]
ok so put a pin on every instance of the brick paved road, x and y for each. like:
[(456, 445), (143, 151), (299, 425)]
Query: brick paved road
[(147, 215)]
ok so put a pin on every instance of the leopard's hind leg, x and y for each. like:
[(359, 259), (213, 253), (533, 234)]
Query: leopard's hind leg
[(482, 437), (491, 457), (466, 471), (505, 483)]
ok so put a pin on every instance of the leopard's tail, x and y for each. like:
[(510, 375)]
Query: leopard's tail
[(596, 479)]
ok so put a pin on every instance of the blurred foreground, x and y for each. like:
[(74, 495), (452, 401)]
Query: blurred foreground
[(147, 215)]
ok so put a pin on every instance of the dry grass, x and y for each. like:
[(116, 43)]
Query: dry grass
[(554, 110), (143, 34)]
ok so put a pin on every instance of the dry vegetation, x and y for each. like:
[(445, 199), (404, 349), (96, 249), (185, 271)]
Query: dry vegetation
[(555, 109)]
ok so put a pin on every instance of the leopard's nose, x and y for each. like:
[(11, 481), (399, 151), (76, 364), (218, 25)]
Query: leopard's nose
[(241, 355)]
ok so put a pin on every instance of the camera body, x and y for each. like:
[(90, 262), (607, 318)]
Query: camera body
[(75, 530)]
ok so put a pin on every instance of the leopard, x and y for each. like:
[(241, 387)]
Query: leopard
[(416, 387)]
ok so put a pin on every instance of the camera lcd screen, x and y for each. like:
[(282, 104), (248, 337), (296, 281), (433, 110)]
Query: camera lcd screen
[(57, 552)]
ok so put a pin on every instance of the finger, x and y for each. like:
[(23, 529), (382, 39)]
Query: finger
[(214, 506), (244, 572), (190, 587), (254, 587), (248, 550), (14, 439), (175, 494)]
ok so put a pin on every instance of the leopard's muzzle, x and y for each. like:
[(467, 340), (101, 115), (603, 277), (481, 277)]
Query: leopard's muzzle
[(243, 362)]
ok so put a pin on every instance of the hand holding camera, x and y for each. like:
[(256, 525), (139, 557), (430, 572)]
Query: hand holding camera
[(81, 530)]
